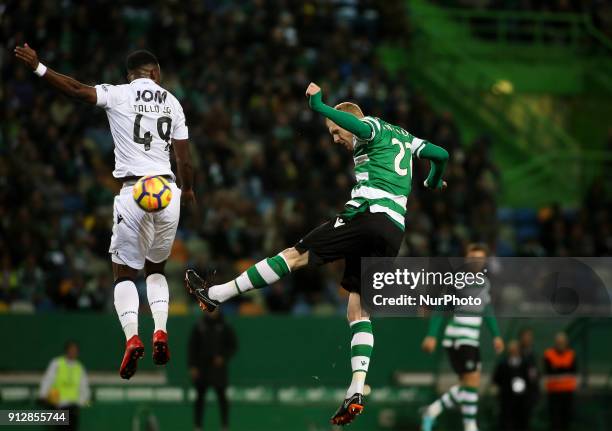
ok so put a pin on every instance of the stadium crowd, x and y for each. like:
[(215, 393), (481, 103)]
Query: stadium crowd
[(599, 12), (267, 171), (531, 5)]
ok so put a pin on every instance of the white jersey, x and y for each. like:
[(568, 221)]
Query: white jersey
[(143, 119)]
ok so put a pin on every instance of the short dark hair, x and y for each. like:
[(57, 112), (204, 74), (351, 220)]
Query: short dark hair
[(69, 343), (140, 58)]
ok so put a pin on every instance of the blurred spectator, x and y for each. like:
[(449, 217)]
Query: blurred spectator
[(211, 345), (278, 299), (512, 378), (560, 370), (65, 385), (600, 12), (530, 359)]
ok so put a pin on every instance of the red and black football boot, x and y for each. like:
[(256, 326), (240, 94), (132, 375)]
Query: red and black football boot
[(199, 287), (134, 350), (348, 410), (161, 352)]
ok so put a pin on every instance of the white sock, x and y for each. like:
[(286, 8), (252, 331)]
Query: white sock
[(126, 304), (470, 425), (159, 297), (225, 291), (357, 384), (435, 409)]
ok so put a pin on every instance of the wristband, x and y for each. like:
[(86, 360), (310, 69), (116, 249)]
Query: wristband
[(41, 69)]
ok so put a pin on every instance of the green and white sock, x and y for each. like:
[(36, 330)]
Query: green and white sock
[(449, 400), (261, 274), (362, 344), (469, 407)]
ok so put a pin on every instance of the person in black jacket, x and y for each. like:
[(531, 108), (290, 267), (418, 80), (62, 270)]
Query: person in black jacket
[(211, 344), (512, 377), (531, 360)]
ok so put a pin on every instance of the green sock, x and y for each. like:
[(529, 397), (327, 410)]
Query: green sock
[(362, 344), (469, 407), (261, 274), (449, 400)]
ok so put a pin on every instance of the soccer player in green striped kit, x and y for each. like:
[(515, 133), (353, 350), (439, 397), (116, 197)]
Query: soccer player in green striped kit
[(462, 342), (371, 224)]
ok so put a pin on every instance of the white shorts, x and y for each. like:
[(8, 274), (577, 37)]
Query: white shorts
[(139, 235)]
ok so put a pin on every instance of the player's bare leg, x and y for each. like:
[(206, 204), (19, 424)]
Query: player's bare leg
[(127, 304), (259, 275), (362, 343), (158, 297)]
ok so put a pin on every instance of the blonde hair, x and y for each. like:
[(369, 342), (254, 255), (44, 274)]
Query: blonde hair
[(350, 107)]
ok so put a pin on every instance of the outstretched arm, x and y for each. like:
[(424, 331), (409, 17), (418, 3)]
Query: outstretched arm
[(438, 157), (343, 119), (65, 84)]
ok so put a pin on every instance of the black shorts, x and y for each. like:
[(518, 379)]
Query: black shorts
[(365, 235), (464, 359)]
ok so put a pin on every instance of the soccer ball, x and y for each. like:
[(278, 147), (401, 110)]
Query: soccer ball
[(152, 193)]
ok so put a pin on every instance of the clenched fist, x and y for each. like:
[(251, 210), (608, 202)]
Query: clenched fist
[(442, 185), (429, 344), (312, 89), (27, 55)]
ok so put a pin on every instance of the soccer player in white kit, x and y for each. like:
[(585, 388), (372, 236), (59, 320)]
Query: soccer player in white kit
[(146, 121)]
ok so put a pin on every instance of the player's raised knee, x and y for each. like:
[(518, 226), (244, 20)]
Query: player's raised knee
[(294, 258)]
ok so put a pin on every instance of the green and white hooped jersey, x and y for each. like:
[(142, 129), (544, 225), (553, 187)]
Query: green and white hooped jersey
[(463, 328), (383, 169)]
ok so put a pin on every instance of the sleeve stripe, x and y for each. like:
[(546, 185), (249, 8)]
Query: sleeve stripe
[(377, 123), (101, 96), (373, 121), (418, 153), (374, 125), (417, 146), (369, 123)]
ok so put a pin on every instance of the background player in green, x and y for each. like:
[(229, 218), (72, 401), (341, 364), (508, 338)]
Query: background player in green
[(371, 224), (462, 343)]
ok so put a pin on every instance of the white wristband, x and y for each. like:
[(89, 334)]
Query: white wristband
[(41, 69)]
